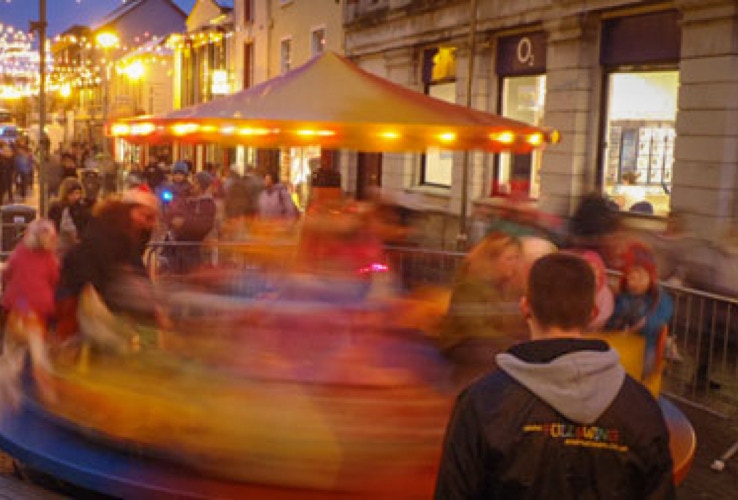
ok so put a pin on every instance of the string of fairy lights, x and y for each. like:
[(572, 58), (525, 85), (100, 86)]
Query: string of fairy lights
[(76, 61)]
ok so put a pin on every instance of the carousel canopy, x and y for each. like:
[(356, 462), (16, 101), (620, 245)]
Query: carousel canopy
[(333, 103)]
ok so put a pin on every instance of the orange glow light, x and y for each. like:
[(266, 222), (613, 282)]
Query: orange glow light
[(535, 139), (228, 130), (447, 137), (389, 135), (253, 131), (119, 129), (185, 128), (142, 128), (209, 129), (505, 137), (313, 133)]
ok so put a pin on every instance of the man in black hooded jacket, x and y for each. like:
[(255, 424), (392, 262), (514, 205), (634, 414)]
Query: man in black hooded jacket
[(560, 418)]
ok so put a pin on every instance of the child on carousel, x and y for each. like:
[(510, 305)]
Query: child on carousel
[(642, 304)]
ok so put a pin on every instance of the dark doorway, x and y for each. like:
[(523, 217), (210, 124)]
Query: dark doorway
[(368, 174)]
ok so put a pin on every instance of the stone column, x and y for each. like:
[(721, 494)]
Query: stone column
[(705, 181), (572, 94)]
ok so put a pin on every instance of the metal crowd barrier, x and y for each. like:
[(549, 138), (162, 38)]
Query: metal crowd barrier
[(704, 368)]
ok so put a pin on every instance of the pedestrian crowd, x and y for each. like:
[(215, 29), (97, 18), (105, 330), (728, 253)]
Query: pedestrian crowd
[(98, 235)]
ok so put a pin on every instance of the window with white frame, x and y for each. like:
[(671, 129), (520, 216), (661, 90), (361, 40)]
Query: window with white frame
[(439, 76), (317, 41), (286, 54)]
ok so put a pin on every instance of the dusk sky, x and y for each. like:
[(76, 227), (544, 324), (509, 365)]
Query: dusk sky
[(62, 14)]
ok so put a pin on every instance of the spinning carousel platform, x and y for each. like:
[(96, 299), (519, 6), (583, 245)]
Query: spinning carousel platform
[(40, 442)]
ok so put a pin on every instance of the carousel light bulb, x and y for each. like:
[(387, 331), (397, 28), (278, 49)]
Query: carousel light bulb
[(447, 137), (313, 133), (120, 129), (389, 135), (505, 137), (185, 128), (142, 129), (535, 139)]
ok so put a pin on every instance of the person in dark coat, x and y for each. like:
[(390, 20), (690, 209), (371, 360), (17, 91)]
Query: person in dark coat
[(7, 170), (190, 222), (560, 418), (110, 253)]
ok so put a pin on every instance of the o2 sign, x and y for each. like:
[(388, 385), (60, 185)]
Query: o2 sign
[(525, 52), (522, 54)]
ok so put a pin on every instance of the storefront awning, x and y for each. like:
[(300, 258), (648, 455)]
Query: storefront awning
[(333, 103)]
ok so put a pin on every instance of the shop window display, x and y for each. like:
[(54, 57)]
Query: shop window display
[(640, 138), (523, 99)]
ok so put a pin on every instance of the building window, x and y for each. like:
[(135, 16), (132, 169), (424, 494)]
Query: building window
[(248, 64), (521, 65), (439, 76), (639, 136), (248, 11), (523, 98), (286, 55), (317, 41)]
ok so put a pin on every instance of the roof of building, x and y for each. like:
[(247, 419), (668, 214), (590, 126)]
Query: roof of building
[(224, 4), (124, 9)]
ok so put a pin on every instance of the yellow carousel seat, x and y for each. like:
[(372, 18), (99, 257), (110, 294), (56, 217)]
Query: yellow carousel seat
[(631, 347)]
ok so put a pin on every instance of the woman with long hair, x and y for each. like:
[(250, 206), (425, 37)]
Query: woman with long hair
[(483, 316), (70, 213)]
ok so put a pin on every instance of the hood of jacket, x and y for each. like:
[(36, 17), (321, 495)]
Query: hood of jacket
[(580, 385)]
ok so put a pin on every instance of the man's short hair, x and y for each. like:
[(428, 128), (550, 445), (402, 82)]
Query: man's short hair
[(561, 291)]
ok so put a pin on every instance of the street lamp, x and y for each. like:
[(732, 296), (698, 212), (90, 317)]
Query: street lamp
[(40, 27), (106, 40)]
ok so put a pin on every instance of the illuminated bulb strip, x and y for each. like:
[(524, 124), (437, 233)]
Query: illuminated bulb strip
[(313, 133), (389, 135), (254, 131), (506, 137), (185, 128), (142, 129), (208, 129), (535, 139), (120, 129)]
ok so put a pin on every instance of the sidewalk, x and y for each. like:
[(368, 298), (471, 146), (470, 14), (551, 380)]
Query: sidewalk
[(13, 488), (714, 436)]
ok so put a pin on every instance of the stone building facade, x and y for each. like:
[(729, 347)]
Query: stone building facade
[(644, 93)]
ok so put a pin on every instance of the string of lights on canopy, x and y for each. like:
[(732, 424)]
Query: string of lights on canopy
[(331, 102)]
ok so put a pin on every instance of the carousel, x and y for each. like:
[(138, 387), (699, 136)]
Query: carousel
[(313, 381)]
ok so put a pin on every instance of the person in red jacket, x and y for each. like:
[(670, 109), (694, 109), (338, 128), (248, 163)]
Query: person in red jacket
[(32, 272), (29, 281)]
